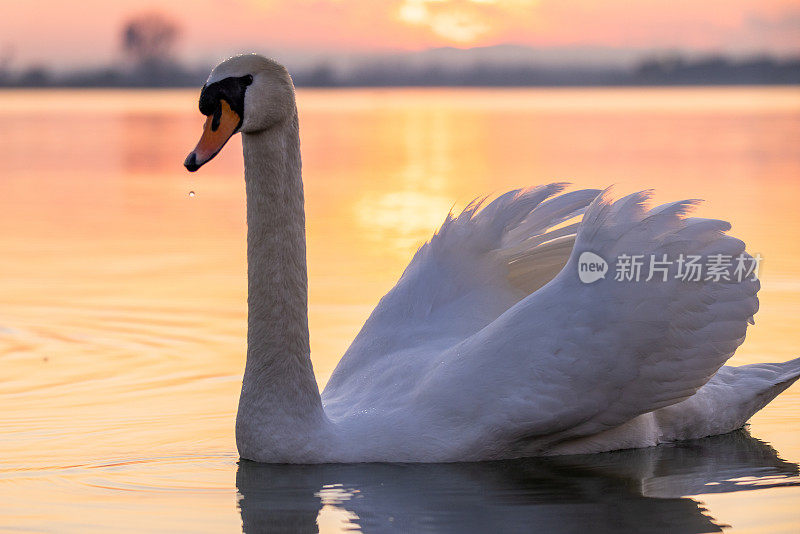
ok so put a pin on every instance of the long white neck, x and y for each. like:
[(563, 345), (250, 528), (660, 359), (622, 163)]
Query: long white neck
[(280, 403)]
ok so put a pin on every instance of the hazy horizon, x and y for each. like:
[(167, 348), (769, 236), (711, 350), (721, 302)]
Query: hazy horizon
[(325, 30)]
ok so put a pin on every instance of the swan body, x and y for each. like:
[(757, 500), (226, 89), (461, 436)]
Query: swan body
[(490, 346)]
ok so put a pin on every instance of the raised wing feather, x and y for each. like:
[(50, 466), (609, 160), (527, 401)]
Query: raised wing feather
[(479, 264), (574, 358)]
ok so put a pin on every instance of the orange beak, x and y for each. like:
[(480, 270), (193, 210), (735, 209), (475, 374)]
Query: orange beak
[(218, 128)]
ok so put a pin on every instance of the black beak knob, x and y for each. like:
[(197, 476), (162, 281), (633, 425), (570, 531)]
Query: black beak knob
[(191, 162)]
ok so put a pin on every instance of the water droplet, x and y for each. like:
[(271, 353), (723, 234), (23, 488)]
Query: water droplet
[(191, 194)]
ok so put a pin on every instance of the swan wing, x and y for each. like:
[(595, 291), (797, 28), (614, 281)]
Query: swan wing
[(479, 264), (573, 358)]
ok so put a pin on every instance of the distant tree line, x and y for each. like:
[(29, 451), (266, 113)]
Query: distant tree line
[(657, 71), (148, 48), (147, 43), (716, 70), (667, 70)]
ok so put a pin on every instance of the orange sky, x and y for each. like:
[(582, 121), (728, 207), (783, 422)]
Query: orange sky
[(53, 32)]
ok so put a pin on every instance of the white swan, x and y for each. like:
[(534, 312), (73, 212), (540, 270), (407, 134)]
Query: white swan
[(489, 346)]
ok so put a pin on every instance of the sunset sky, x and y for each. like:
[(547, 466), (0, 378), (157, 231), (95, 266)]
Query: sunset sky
[(64, 34)]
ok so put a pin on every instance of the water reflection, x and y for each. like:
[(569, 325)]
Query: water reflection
[(626, 491), (123, 313)]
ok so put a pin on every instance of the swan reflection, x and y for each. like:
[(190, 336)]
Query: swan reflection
[(634, 490)]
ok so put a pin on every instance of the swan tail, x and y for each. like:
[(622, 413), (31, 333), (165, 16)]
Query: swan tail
[(727, 401)]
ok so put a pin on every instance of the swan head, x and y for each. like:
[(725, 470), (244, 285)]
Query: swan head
[(248, 94)]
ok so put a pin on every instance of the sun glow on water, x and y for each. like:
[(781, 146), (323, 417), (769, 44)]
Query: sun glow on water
[(122, 330)]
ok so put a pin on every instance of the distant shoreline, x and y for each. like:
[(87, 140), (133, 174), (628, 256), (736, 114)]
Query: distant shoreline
[(662, 71), (4, 88)]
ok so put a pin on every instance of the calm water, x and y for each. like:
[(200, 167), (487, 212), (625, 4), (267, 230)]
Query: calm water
[(122, 304)]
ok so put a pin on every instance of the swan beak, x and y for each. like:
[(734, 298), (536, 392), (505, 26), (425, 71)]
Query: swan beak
[(218, 128)]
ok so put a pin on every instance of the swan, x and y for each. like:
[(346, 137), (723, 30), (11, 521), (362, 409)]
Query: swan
[(490, 346)]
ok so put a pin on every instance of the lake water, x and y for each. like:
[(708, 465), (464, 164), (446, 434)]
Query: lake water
[(122, 304)]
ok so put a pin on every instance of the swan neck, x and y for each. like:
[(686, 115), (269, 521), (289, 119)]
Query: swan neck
[(279, 388)]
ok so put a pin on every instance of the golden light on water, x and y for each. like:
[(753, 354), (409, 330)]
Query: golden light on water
[(122, 324)]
